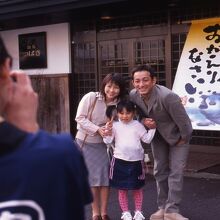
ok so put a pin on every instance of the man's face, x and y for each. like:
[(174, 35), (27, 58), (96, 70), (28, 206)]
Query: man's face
[(143, 82), (5, 84), (5, 93)]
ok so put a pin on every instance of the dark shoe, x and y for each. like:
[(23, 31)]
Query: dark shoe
[(105, 217), (96, 217)]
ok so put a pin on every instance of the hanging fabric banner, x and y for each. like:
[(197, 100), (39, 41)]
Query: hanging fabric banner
[(197, 80)]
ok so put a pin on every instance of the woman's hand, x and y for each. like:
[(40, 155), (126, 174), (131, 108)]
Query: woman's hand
[(102, 131), (106, 130)]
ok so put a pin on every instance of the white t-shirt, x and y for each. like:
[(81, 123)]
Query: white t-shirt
[(127, 138)]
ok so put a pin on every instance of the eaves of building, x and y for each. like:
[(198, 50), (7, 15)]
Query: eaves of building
[(10, 9)]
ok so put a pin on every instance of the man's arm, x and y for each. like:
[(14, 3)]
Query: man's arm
[(178, 113)]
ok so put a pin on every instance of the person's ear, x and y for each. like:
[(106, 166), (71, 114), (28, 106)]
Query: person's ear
[(154, 80), (132, 82), (6, 68)]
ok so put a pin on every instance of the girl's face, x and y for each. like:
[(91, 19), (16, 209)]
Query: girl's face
[(111, 91), (125, 116)]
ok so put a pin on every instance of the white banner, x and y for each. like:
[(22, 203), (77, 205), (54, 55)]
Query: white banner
[(197, 79)]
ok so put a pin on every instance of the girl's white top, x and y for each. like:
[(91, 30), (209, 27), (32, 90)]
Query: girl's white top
[(127, 138)]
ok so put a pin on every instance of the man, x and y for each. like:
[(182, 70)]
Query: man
[(170, 145), (43, 176)]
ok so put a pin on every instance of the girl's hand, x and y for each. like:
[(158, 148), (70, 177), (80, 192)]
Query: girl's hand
[(108, 125), (108, 132), (108, 128)]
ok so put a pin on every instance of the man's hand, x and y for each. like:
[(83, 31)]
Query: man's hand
[(180, 142), (6, 89), (21, 108), (149, 122)]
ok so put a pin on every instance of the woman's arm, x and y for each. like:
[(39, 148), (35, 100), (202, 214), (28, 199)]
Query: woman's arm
[(83, 112)]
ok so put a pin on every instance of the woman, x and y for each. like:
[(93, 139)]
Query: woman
[(91, 119)]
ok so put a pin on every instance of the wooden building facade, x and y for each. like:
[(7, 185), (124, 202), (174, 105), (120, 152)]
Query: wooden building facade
[(107, 36)]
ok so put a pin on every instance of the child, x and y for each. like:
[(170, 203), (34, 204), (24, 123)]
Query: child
[(127, 166)]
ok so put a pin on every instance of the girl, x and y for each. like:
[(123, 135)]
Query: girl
[(90, 120), (127, 167)]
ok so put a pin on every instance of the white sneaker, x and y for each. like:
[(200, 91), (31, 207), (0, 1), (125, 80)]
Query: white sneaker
[(126, 215), (158, 215), (174, 216), (138, 215)]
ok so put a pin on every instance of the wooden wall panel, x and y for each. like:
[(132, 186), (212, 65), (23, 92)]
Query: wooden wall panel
[(53, 91)]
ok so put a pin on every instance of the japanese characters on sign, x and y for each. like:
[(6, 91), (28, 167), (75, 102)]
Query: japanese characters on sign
[(199, 69), (32, 50)]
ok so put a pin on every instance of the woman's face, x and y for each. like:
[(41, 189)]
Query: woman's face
[(112, 91)]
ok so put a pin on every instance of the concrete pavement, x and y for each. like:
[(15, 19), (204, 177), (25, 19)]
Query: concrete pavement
[(201, 199), (201, 194)]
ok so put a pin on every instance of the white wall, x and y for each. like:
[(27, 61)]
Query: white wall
[(58, 47)]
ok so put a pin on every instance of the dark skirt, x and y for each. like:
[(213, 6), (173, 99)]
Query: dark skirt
[(127, 175)]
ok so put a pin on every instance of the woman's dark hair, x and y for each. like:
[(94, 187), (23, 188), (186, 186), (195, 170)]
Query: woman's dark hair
[(118, 80), (126, 104), (145, 67), (3, 52)]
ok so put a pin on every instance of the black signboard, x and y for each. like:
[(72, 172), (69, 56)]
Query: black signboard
[(32, 50)]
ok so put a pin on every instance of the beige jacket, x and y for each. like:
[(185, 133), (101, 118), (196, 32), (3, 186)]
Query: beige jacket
[(98, 119)]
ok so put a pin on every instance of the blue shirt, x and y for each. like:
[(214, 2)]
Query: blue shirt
[(43, 176)]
